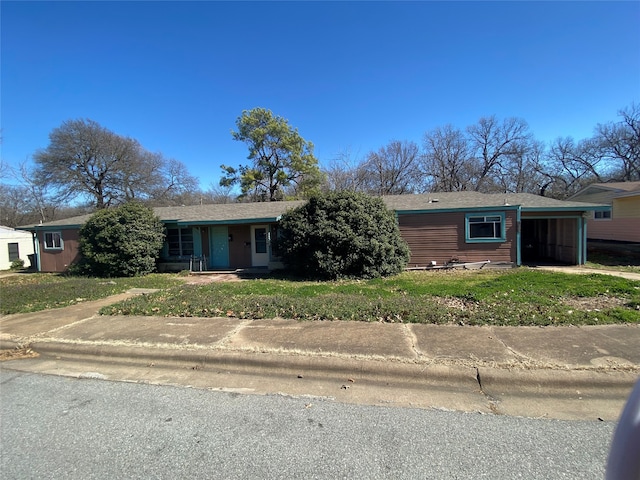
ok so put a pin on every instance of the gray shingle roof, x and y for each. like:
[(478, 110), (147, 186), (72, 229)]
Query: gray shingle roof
[(228, 212), (270, 211), (469, 200)]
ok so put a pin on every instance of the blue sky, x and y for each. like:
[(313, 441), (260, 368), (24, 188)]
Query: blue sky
[(349, 75)]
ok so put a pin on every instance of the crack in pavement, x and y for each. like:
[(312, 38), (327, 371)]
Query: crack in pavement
[(57, 329), (224, 341), (492, 402), (412, 340), (523, 359)]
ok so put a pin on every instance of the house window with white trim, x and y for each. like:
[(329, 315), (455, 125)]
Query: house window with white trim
[(485, 228), (602, 214), (180, 242), (53, 241), (14, 252)]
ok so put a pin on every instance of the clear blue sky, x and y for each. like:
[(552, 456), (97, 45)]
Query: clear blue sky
[(349, 75)]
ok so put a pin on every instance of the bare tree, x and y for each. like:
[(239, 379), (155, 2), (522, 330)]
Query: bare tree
[(619, 143), (26, 200), (84, 159), (570, 166), (492, 143), (343, 173), (176, 185), (392, 170), (523, 172), (219, 194), (15, 208), (446, 165)]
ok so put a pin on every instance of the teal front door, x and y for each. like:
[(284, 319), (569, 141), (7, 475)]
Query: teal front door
[(219, 246)]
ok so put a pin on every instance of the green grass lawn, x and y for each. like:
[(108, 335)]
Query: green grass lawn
[(22, 293), (520, 296), (511, 297)]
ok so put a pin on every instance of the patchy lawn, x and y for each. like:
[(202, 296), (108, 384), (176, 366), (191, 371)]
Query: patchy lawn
[(513, 297), (623, 257), (32, 292)]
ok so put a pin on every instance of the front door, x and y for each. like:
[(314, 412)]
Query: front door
[(219, 238), (259, 246)]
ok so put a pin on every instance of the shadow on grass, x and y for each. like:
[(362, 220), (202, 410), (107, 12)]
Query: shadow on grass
[(612, 254)]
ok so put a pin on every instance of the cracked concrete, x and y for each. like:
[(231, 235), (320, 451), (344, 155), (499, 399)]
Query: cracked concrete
[(582, 371)]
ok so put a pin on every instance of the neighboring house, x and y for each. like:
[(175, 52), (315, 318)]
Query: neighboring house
[(622, 221), (15, 245), (440, 227)]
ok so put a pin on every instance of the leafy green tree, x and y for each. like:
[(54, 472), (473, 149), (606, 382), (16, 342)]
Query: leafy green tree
[(342, 235), (121, 242), (282, 161)]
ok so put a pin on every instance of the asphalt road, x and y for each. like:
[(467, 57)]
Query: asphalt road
[(60, 427)]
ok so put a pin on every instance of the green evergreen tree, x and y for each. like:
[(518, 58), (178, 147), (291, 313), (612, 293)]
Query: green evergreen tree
[(342, 235), (121, 242), (282, 162)]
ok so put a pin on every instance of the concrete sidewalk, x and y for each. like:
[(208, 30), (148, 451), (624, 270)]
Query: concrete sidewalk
[(598, 362)]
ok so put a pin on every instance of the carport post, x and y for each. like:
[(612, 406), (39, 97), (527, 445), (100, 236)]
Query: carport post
[(518, 236)]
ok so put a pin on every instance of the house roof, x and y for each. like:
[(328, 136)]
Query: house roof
[(606, 192), (271, 211), (472, 200), (8, 232), (193, 214), (226, 213)]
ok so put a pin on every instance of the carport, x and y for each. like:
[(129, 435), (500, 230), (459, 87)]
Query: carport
[(552, 238)]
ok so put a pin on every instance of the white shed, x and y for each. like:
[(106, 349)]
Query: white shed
[(15, 244)]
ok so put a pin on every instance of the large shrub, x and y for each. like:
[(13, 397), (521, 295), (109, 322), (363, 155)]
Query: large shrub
[(342, 235), (121, 242)]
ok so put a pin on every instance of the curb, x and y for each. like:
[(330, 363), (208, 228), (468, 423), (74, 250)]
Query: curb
[(10, 345), (273, 364), (491, 381), (596, 384)]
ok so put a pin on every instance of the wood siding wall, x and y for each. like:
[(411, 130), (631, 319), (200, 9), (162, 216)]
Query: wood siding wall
[(60, 260), (563, 240), (440, 237), (616, 229), (626, 207)]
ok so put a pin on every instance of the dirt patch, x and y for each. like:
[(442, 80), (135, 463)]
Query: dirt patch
[(203, 279), (590, 304), (17, 354), (456, 303)]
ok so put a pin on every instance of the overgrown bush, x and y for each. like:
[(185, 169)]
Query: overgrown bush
[(17, 264), (121, 242), (342, 235)]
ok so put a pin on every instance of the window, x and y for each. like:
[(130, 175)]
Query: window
[(261, 240), (53, 241), (602, 214), (275, 233), (180, 242), (14, 252), (485, 228)]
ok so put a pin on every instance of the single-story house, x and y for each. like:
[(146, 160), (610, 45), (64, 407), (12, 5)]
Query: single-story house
[(15, 245), (439, 228), (621, 222)]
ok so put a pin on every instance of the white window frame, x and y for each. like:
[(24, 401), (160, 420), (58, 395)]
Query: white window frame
[(53, 241), (12, 257), (604, 215), (488, 217)]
